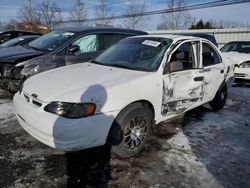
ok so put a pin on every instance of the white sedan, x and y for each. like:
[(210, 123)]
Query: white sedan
[(119, 96), (239, 53)]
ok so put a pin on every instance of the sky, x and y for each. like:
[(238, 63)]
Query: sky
[(236, 13)]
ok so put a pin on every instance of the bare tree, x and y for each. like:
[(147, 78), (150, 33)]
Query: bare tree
[(135, 7), (102, 10), (50, 13), (29, 15), (78, 12), (178, 18)]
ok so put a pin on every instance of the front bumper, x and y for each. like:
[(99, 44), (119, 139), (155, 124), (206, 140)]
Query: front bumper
[(59, 132), (242, 74)]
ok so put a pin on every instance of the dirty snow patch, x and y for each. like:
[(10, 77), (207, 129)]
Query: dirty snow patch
[(6, 112)]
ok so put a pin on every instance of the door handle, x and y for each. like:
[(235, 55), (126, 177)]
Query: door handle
[(221, 71), (198, 78)]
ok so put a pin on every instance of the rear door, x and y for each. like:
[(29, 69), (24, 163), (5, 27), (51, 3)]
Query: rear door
[(183, 83), (213, 70)]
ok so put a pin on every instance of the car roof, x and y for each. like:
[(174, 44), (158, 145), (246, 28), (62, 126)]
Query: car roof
[(195, 34), (239, 41), (23, 31), (99, 29), (173, 37)]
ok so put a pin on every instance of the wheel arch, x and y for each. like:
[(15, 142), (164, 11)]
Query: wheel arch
[(143, 102)]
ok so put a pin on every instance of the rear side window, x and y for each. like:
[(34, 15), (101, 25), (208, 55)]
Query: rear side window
[(111, 38), (209, 55)]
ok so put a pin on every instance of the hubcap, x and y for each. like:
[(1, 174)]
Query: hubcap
[(135, 133)]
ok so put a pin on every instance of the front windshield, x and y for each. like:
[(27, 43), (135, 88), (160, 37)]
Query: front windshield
[(12, 42), (50, 41), (241, 47), (140, 53)]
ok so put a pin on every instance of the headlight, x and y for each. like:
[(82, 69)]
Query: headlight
[(245, 64), (31, 69), (71, 110), (7, 70)]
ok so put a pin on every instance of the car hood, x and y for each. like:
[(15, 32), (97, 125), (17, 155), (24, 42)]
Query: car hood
[(236, 57), (13, 54), (51, 85)]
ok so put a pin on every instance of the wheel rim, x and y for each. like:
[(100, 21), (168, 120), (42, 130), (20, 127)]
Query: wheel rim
[(223, 95), (135, 133)]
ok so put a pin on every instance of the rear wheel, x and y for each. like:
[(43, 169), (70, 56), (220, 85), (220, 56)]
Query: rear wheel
[(220, 99), (131, 129)]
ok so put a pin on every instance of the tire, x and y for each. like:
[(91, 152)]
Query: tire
[(131, 130), (220, 99)]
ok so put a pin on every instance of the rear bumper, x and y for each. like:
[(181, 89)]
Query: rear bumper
[(62, 133)]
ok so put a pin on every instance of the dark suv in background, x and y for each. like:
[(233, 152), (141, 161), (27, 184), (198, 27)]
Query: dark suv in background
[(11, 34), (58, 48), (207, 36)]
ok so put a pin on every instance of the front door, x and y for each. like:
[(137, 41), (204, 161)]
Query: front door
[(183, 82), (88, 49)]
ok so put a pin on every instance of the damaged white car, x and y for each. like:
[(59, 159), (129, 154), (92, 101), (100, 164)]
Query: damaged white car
[(121, 94)]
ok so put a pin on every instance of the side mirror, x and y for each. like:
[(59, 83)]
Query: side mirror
[(73, 49)]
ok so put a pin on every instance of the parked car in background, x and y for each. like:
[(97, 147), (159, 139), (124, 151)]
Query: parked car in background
[(242, 72), (57, 48), (22, 41), (11, 34), (119, 95), (237, 46), (239, 53)]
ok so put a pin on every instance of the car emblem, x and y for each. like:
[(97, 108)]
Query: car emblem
[(34, 95)]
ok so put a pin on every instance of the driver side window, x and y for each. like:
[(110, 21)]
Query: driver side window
[(182, 59), (87, 43)]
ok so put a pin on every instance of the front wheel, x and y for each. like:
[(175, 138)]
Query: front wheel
[(131, 129), (220, 99)]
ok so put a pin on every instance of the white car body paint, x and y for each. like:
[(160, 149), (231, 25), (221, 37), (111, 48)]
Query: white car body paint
[(237, 58), (111, 89)]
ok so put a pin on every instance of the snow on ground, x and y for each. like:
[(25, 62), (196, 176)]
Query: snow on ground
[(198, 149), (6, 112)]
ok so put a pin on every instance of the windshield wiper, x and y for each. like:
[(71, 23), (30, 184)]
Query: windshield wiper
[(120, 66)]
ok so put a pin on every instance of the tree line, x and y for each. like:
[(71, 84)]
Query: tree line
[(47, 13)]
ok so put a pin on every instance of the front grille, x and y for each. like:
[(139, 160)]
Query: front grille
[(32, 100), (26, 97), (240, 75), (36, 103)]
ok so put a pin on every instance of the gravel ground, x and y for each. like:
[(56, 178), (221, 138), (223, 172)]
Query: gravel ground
[(199, 149)]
